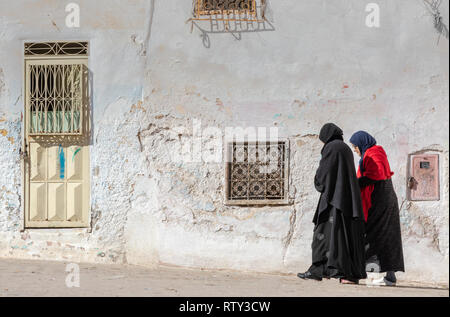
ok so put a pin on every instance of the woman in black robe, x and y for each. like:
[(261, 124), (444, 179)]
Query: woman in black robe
[(380, 205), (338, 239)]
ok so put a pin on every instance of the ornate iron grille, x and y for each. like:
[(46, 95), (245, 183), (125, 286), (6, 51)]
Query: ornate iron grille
[(56, 49), (228, 10), (257, 173), (207, 7), (55, 98)]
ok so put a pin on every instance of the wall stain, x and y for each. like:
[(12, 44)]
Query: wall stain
[(138, 106)]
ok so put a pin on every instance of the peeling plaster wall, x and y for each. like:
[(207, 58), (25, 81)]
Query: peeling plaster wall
[(150, 74)]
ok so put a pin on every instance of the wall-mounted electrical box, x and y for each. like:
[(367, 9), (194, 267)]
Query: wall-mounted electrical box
[(423, 182)]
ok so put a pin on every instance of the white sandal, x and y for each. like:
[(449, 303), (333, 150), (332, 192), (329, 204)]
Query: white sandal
[(383, 282)]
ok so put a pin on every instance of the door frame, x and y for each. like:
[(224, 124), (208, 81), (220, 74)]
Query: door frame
[(84, 138)]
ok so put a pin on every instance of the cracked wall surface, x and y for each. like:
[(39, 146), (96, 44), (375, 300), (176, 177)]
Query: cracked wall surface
[(152, 80)]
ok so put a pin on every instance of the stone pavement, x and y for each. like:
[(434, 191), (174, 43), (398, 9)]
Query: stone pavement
[(42, 278)]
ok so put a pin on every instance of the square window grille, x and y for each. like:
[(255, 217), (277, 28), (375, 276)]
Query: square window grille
[(257, 173)]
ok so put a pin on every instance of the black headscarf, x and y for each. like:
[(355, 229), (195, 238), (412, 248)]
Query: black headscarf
[(330, 132), (363, 141), (336, 177)]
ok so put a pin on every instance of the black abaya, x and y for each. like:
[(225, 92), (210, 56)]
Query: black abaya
[(337, 250), (384, 241), (338, 243)]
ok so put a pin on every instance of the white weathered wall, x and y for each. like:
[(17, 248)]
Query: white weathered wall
[(316, 63)]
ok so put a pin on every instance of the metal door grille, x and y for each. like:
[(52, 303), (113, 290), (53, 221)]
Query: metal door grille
[(56, 49), (55, 98), (257, 173)]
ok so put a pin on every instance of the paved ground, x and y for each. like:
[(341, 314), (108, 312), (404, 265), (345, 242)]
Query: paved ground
[(38, 278)]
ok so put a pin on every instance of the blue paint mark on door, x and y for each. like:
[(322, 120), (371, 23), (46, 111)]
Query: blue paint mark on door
[(62, 162)]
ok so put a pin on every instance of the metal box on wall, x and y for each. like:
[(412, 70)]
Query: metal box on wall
[(423, 182)]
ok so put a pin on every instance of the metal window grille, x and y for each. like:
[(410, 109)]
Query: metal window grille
[(228, 10), (56, 49), (55, 98), (208, 7), (257, 173), (56, 87)]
